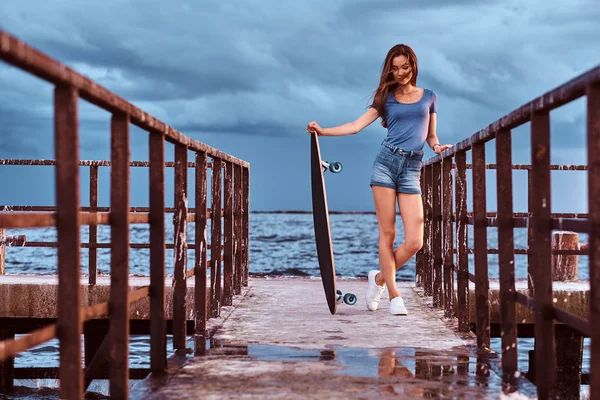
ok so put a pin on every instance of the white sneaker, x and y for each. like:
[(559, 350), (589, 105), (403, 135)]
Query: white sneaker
[(374, 291), (397, 306)]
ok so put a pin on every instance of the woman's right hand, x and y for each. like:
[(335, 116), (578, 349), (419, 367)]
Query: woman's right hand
[(313, 127)]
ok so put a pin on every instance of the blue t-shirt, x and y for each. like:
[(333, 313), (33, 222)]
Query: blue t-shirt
[(408, 124)]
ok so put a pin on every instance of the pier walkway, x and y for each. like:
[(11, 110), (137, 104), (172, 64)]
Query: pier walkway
[(279, 341)]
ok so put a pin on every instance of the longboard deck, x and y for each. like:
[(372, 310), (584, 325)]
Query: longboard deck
[(321, 224)]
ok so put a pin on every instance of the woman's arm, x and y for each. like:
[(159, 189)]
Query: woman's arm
[(350, 128), (432, 139)]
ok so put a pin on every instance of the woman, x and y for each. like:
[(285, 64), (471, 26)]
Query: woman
[(409, 114)]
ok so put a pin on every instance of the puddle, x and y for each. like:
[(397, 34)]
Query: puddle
[(263, 371), (403, 370)]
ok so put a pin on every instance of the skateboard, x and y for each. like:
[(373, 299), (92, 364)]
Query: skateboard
[(321, 224)]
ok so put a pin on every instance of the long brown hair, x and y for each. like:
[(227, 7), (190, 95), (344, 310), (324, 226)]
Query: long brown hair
[(387, 81)]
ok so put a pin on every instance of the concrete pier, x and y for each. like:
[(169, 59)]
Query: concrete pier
[(280, 341)]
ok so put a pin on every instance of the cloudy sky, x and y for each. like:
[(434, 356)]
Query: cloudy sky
[(247, 76)]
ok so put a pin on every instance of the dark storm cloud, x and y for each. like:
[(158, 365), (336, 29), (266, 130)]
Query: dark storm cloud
[(23, 135), (149, 77), (269, 67), (266, 128), (246, 76), (361, 9)]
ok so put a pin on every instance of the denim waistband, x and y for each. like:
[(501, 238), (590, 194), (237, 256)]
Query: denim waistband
[(399, 150)]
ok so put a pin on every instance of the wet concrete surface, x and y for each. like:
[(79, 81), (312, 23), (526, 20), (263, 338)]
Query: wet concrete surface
[(294, 312), (281, 342), (279, 372)]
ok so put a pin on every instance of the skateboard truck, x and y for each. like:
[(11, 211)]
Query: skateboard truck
[(347, 298), (334, 167)]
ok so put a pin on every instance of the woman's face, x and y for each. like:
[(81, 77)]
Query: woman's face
[(401, 69)]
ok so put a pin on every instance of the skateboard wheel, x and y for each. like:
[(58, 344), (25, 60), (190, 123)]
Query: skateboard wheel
[(335, 167), (350, 299)]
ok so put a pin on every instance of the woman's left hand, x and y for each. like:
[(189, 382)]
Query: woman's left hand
[(440, 148)]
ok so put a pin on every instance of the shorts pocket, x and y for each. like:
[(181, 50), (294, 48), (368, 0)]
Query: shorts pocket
[(413, 169), (414, 165)]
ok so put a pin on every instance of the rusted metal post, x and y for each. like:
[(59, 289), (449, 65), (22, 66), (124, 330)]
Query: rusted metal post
[(96, 353), (427, 254), (201, 247), (215, 239), (530, 238), (181, 247), (92, 342), (545, 352), (7, 367), (119, 257), (228, 236), (462, 255), (437, 250), (448, 238), (2, 251), (425, 248), (238, 228), (93, 229), (482, 368), (506, 246), (593, 152), (69, 324), (480, 244), (569, 342), (569, 354), (419, 258), (158, 328), (462, 367), (246, 221), (565, 266)]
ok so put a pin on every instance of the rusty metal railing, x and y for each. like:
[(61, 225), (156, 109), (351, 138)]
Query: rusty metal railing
[(436, 268), (137, 214), (67, 217)]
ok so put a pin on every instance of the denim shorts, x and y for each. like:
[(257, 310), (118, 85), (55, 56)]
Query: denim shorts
[(397, 169)]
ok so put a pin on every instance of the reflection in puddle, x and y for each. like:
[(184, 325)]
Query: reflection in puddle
[(412, 372)]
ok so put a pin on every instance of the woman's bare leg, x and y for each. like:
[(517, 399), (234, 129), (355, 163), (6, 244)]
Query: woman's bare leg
[(385, 208), (411, 211)]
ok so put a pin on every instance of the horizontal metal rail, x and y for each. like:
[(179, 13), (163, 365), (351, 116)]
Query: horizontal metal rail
[(168, 210), (572, 224), (527, 167), (48, 219), (97, 245), (91, 163)]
